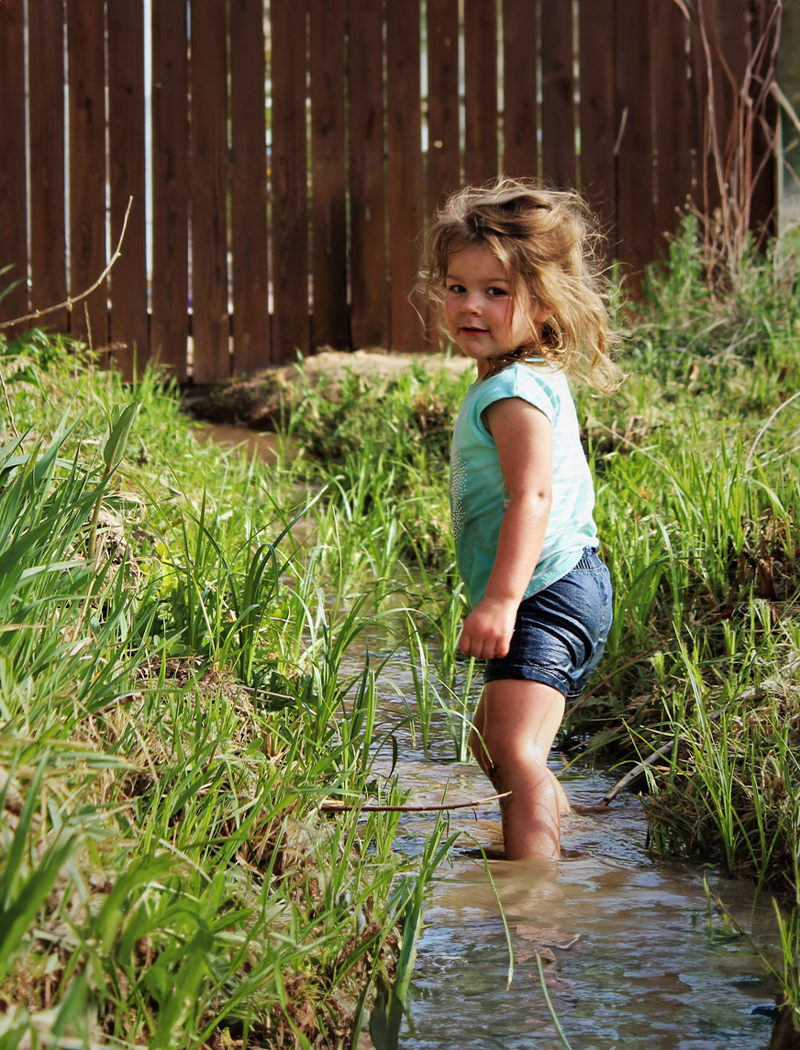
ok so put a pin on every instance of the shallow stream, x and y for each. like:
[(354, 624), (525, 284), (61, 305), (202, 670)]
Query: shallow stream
[(633, 955), (635, 950)]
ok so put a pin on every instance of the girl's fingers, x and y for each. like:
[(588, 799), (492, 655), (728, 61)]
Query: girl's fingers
[(483, 649)]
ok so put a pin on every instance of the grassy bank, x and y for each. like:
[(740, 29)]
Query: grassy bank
[(174, 711)]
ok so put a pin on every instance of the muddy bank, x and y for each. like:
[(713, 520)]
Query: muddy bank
[(255, 400)]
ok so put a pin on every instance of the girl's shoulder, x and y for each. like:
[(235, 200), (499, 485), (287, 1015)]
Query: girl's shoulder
[(537, 382), (530, 374)]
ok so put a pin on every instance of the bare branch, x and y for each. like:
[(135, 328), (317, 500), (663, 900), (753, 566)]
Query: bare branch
[(331, 805), (70, 302)]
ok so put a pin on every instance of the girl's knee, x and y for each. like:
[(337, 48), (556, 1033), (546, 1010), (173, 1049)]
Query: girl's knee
[(511, 757)]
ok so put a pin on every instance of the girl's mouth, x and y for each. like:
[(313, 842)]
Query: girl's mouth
[(472, 330)]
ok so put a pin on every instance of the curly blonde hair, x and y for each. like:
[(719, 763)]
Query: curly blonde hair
[(548, 242)]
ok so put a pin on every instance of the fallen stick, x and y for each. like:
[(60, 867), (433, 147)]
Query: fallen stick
[(636, 772), (330, 805)]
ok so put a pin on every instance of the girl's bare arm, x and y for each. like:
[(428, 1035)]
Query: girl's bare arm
[(524, 440)]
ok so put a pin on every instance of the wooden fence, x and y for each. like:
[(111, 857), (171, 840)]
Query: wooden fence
[(293, 149)]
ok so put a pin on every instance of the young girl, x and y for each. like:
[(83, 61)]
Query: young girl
[(509, 268)]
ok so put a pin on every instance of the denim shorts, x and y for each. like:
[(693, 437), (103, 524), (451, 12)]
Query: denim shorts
[(560, 632)]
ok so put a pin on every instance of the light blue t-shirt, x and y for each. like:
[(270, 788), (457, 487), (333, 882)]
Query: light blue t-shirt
[(478, 497)]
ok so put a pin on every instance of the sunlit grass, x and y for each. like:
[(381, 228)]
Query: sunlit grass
[(193, 645)]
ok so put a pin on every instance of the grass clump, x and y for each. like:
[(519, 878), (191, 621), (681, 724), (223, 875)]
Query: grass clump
[(177, 700)]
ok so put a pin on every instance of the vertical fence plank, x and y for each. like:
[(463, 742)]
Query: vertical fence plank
[(480, 81), (290, 328), (406, 208), (170, 289), (87, 167), (671, 104), (558, 93), (251, 336), (13, 182), (520, 108), (444, 165), (369, 317), (731, 29), (209, 144), (635, 189), (329, 181), (764, 29), (127, 176), (48, 247), (444, 153), (706, 76), (598, 130)]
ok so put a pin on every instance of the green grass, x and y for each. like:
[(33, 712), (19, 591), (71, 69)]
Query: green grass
[(174, 709), (193, 647)]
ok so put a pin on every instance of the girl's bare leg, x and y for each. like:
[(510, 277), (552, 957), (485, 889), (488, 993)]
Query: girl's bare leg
[(517, 721), (564, 805)]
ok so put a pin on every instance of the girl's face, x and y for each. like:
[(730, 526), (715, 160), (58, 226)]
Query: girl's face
[(483, 319)]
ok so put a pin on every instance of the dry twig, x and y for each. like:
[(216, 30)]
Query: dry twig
[(70, 301), (331, 805)]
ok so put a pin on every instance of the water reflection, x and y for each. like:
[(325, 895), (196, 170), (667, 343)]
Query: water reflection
[(227, 435)]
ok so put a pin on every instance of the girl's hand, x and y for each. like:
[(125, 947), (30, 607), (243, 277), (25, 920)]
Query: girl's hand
[(488, 628)]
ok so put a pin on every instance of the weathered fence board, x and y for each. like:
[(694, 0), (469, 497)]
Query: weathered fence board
[(558, 94), (369, 323), (87, 168), (404, 140), (126, 138), (251, 325), (480, 77), (673, 117), (208, 187), (170, 281), (598, 133), (297, 152), (13, 188), (764, 39), (520, 106), (290, 328), (634, 146), (330, 322), (46, 115), (444, 155)]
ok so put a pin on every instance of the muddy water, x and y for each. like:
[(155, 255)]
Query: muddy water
[(633, 954), (227, 435)]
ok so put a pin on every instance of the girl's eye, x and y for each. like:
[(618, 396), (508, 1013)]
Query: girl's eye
[(497, 291), (459, 288)]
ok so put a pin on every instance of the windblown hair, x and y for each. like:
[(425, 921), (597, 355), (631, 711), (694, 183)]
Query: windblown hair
[(548, 242)]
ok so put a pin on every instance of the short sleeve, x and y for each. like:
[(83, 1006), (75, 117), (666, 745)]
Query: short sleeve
[(523, 381)]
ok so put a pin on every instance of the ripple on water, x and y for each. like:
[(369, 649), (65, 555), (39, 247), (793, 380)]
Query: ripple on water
[(647, 970)]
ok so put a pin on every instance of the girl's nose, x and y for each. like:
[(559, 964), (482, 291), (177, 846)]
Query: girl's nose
[(471, 304)]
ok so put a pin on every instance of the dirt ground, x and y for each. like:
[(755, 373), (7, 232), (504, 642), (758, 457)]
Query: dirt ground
[(254, 400)]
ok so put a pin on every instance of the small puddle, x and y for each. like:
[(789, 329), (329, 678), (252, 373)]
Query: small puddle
[(228, 435)]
